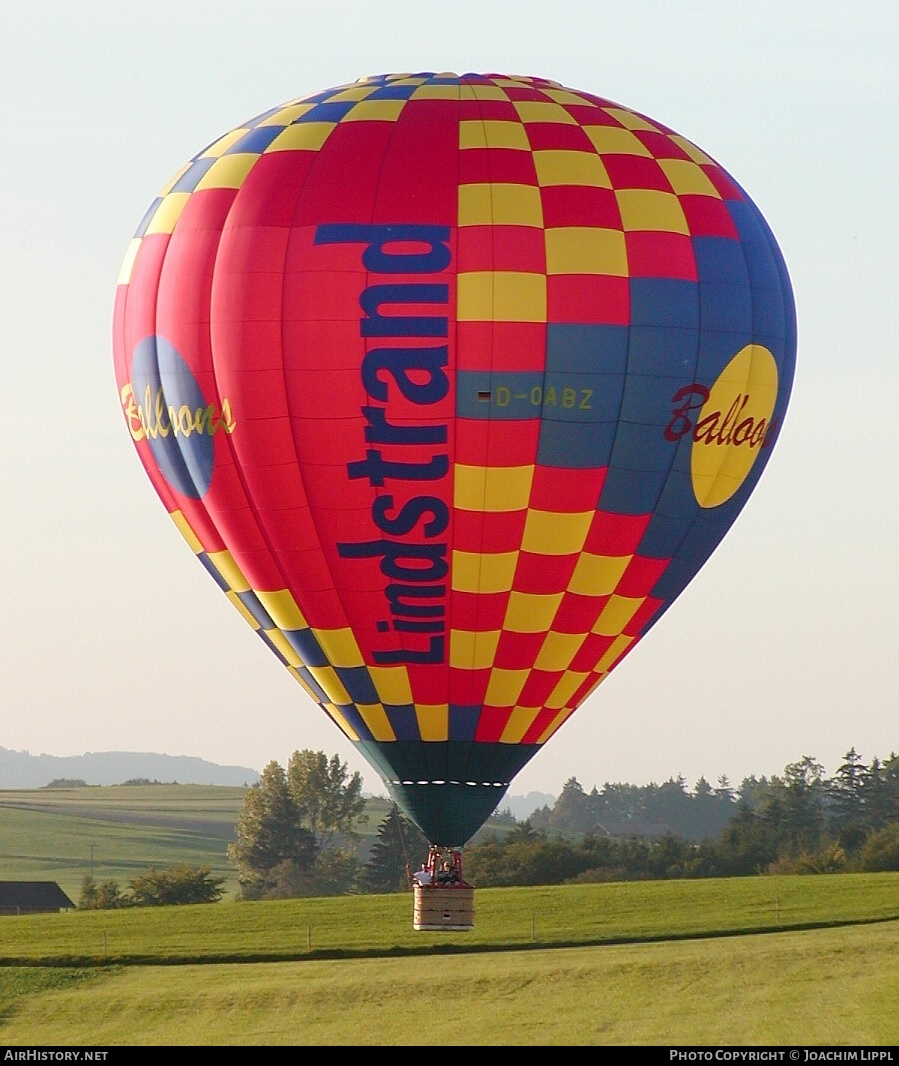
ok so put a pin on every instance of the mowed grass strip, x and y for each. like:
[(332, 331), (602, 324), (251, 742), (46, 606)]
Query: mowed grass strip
[(557, 916), (823, 987)]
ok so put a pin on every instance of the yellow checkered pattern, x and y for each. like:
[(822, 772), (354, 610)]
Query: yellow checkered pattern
[(483, 296), (323, 683), (229, 168)]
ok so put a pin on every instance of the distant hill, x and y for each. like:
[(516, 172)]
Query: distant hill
[(21, 769)]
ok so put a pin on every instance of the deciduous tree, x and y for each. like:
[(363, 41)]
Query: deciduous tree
[(328, 800), (178, 884), (269, 832), (296, 827), (100, 896)]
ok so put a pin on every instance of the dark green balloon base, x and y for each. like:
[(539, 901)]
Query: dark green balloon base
[(447, 789)]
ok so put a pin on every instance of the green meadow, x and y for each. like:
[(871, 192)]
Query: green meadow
[(506, 919), (762, 960), (783, 960), (822, 987), (121, 831), (116, 832)]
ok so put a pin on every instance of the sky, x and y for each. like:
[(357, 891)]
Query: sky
[(114, 638)]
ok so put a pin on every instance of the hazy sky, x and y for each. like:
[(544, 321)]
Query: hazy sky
[(113, 636)]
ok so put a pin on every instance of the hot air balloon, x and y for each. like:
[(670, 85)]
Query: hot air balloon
[(453, 384)]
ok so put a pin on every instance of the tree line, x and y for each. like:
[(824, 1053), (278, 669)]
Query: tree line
[(797, 822), (298, 834)]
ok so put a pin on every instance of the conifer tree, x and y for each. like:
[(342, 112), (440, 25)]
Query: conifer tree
[(399, 842)]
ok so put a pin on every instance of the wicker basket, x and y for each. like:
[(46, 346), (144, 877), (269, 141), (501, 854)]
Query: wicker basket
[(443, 907)]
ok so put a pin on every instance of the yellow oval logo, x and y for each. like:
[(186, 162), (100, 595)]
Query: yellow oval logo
[(732, 424)]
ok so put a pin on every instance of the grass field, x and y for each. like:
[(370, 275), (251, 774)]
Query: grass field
[(695, 962), (781, 960), (509, 918), (118, 832), (823, 987)]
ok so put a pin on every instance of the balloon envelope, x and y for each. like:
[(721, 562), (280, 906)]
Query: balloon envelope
[(453, 384)]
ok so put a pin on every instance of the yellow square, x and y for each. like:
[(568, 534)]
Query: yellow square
[(500, 296), (559, 719), (304, 135), (184, 529), (531, 612), (167, 188), (304, 685), (618, 647), (543, 111), (562, 167), (286, 115), (222, 145), (339, 646), (330, 684), (558, 650), (228, 172), (342, 724), (500, 204), (555, 533), (485, 92), (433, 721), (436, 92), (242, 610), (504, 687), (168, 213), (284, 647), (610, 140), (630, 120), (470, 650), (282, 609), (224, 562), (474, 572), (492, 488), (696, 154), (492, 133), (392, 685), (128, 262), (616, 614), (577, 250), (375, 111), (520, 721), (651, 209), (568, 684), (686, 178), (375, 717), (352, 92), (598, 575), (565, 96)]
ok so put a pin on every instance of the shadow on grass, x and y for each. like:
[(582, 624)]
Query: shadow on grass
[(87, 962)]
